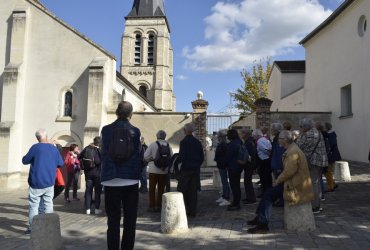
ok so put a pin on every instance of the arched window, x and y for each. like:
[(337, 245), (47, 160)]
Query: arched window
[(68, 104), (151, 49), (143, 90), (138, 49)]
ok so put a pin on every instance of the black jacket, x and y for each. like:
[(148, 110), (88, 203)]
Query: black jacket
[(191, 153)]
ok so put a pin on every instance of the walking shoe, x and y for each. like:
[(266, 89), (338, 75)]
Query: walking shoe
[(28, 231), (233, 208), (66, 200), (259, 229), (76, 199), (98, 211), (221, 199), (87, 211), (322, 197), (224, 203), (317, 210), (253, 222)]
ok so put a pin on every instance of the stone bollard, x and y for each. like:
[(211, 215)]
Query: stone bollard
[(173, 217), (217, 179), (45, 234), (341, 172), (299, 217)]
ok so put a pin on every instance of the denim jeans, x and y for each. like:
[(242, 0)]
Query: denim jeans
[(116, 199), (265, 206), (40, 201), (225, 183), (92, 184), (316, 175)]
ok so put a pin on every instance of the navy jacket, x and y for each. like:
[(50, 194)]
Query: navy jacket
[(232, 155), (191, 153), (252, 150), (220, 155), (333, 154), (277, 152), (131, 169)]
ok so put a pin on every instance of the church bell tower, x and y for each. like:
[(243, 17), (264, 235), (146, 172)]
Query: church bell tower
[(147, 55)]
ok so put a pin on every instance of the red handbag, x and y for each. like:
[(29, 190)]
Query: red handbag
[(59, 181)]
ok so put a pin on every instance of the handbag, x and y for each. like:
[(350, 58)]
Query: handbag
[(59, 181)]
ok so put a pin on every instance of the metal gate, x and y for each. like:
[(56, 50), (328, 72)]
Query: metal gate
[(218, 122)]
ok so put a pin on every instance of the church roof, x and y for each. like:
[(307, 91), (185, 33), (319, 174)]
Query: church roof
[(147, 8), (132, 87), (41, 7), (330, 19), (291, 66)]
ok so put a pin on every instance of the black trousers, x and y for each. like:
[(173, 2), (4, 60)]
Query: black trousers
[(188, 185), (265, 174), (234, 180), (72, 178), (248, 184), (116, 199), (92, 184)]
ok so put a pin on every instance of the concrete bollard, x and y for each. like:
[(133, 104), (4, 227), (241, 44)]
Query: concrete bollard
[(341, 172), (45, 234), (299, 217), (173, 217)]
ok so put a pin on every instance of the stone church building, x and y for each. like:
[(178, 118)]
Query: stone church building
[(53, 77)]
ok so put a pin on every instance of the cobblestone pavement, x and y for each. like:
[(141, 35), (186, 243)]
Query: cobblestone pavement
[(344, 223)]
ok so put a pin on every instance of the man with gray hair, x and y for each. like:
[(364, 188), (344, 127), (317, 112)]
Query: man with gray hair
[(158, 169), (120, 173), (191, 157), (311, 142), (44, 158)]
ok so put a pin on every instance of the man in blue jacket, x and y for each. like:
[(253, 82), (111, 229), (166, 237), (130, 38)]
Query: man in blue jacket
[(191, 157), (44, 158), (120, 177)]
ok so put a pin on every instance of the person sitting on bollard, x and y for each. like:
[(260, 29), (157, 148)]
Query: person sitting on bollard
[(294, 183)]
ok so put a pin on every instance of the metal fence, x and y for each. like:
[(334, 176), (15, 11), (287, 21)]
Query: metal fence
[(218, 122)]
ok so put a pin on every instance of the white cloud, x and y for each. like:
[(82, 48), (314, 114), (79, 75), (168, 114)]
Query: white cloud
[(238, 34), (181, 77)]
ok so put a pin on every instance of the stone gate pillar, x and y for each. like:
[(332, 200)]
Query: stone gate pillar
[(263, 114), (200, 118)]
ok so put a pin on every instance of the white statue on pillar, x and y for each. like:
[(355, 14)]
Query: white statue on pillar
[(200, 95)]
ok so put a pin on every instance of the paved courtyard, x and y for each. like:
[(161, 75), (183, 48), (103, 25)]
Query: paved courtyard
[(344, 223)]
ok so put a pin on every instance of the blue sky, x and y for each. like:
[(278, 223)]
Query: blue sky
[(213, 40)]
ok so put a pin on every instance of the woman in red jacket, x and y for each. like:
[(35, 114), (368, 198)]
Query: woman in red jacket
[(73, 169)]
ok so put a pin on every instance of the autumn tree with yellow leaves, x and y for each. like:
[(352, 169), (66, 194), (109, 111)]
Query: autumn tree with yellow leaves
[(255, 86)]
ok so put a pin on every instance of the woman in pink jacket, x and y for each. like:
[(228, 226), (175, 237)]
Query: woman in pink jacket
[(73, 169)]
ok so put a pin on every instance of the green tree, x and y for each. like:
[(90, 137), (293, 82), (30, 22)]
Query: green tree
[(255, 86)]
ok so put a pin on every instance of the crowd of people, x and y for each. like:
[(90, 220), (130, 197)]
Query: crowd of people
[(290, 166)]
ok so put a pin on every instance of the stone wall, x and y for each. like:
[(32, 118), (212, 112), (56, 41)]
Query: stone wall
[(149, 124)]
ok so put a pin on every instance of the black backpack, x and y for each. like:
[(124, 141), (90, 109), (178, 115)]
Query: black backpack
[(88, 158), (121, 146), (163, 158)]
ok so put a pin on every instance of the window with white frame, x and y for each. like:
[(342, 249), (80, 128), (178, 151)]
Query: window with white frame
[(346, 100), (137, 49), (151, 49)]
